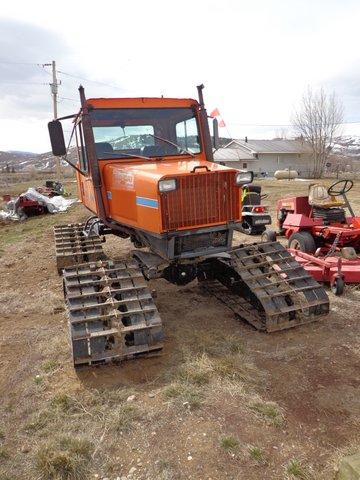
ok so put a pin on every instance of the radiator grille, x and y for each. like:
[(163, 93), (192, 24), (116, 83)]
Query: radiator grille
[(201, 199)]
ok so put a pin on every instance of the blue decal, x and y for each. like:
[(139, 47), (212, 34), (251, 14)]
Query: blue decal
[(147, 202), (109, 195)]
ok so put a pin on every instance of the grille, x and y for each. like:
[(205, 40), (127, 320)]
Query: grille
[(201, 199)]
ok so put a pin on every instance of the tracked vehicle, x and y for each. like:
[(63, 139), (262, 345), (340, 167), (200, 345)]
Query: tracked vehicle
[(145, 170)]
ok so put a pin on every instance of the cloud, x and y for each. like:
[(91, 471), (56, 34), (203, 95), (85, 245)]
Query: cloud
[(255, 58), (347, 88), (24, 90)]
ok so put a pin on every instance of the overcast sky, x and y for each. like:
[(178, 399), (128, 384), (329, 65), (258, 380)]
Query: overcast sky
[(255, 58)]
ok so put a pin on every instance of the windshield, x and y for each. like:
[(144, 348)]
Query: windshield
[(144, 132)]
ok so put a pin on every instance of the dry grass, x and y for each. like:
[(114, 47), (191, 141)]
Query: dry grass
[(39, 421), (296, 470), (4, 454), (66, 458), (50, 366), (199, 377), (197, 371), (257, 455), (183, 395), (269, 411), (124, 418), (214, 344), (229, 444)]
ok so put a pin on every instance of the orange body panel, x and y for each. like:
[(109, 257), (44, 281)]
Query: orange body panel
[(130, 186), (132, 196), (142, 102), (86, 192)]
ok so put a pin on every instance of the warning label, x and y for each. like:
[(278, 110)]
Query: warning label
[(123, 180)]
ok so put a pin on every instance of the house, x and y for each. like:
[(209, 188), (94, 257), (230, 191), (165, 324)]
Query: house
[(266, 156)]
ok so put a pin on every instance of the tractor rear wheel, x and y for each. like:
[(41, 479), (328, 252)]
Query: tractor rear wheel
[(302, 241)]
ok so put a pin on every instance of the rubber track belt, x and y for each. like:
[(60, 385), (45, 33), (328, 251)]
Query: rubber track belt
[(112, 315), (73, 247), (267, 287)]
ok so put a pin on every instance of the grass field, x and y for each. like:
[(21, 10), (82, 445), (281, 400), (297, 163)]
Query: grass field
[(223, 401)]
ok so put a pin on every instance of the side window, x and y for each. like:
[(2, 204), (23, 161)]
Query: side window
[(244, 165), (81, 148), (187, 135)]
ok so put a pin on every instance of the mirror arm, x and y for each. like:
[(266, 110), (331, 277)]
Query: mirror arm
[(73, 166), (74, 115)]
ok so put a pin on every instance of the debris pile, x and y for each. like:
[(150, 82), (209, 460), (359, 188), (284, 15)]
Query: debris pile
[(36, 201)]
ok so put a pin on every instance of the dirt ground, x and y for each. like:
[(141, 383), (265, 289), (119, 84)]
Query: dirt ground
[(223, 401)]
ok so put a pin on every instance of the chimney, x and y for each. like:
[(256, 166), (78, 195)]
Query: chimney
[(245, 139)]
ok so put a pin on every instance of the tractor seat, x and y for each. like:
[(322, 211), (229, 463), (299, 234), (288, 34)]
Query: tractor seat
[(319, 197)]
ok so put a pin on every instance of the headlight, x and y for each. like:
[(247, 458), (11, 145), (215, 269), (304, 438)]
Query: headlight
[(167, 185), (244, 177)]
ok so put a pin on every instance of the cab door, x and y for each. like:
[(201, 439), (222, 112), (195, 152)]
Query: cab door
[(85, 183)]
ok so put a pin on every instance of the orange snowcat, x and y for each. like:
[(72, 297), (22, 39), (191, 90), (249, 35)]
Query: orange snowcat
[(145, 170)]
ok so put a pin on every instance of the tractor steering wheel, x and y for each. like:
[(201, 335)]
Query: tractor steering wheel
[(346, 187)]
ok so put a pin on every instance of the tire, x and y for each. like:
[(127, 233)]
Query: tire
[(338, 286), (258, 230), (302, 241), (246, 228), (268, 236)]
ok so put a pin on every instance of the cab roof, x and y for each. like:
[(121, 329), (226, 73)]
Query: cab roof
[(141, 102)]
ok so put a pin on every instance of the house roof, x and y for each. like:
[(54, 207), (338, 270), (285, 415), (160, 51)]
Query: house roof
[(270, 146), (232, 155)]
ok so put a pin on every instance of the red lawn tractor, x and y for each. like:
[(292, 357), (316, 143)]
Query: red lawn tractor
[(320, 234)]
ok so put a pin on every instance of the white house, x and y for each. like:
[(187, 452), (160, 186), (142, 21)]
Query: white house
[(266, 156)]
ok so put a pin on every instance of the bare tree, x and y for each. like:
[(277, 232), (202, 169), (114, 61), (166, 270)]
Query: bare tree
[(317, 122), (281, 134)]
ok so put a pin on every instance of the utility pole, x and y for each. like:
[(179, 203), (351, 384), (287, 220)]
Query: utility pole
[(54, 92), (54, 88)]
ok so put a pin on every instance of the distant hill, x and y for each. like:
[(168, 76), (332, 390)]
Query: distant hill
[(24, 161), (346, 146)]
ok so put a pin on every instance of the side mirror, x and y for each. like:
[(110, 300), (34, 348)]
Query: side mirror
[(216, 133), (57, 138), (243, 178)]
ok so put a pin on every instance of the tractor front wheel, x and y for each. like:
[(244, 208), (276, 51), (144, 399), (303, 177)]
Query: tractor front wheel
[(249, 229), (268, 236), (302, 241), (338, 286)]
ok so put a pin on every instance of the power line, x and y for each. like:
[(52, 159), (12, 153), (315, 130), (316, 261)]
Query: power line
[(22, 83), (20, 63), (43, 65), (278, 124), (72, 99), (89, 80)]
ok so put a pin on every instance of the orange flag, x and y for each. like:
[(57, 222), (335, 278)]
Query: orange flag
[(214, 113)]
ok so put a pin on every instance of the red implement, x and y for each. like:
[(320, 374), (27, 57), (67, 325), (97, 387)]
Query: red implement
[(329, 269)]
